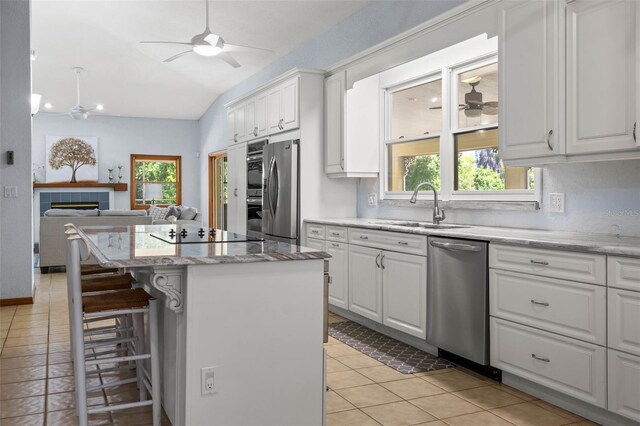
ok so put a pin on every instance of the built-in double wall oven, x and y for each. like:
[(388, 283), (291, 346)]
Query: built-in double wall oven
[(255, 181)]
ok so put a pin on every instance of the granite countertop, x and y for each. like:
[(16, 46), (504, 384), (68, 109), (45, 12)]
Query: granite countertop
[(574, 241), (134, 246)]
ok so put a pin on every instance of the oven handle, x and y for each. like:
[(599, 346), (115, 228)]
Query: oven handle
[(254, 201), (254, 158)]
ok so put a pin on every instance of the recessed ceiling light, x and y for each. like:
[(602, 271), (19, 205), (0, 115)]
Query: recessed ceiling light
[(434, 99), (99, 107), (48, 105)]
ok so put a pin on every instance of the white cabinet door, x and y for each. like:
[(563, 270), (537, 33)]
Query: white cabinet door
[(404, 292), (334, 121), (289, 105), (601, 61), (339, 272), (241, 131), (529, 79), (273, 110), (231, 125), (237, 189), (365, 282), (624, 384), (251, 130), (261, 114), (624, 320)]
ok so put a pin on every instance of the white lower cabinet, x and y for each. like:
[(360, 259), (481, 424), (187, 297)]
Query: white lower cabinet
[(567, 365), (404, 292), (624, 384), (365, 282), (624, 320), (317, 244), (339, 272)]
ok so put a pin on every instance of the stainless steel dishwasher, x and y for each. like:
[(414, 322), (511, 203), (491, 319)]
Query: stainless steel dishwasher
[(457, 298)]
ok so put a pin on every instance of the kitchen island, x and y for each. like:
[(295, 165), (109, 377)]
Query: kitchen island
[(249, 311)]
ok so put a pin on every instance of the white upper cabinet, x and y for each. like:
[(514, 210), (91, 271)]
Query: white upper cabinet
[(352, 127), (282, 107), (250, 119), (241, 131), (529, 79), (231, 125), (261, 115), (601, 76)]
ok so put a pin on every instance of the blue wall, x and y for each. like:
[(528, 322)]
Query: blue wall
[(371, 25)]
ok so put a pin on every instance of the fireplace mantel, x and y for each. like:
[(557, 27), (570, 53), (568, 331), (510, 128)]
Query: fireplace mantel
[(115, 186)]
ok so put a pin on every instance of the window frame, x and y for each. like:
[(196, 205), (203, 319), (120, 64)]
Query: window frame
[(146, 157), (448, 74)]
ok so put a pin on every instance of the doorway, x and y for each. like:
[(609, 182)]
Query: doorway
[(218, 173)]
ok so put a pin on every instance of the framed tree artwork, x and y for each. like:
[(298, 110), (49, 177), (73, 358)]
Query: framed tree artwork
[(71, 159)]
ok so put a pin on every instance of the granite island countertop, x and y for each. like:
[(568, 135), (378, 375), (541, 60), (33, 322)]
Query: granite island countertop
[(561, 240), (135, 246)]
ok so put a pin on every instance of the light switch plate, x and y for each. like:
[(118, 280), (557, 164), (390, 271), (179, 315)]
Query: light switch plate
[(556, 202), (10, 192), (372, 200)]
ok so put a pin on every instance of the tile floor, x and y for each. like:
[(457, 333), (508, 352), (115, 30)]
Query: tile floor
[(36, 381)]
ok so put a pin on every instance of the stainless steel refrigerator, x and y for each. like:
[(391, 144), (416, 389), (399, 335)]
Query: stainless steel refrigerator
[(280, 209)]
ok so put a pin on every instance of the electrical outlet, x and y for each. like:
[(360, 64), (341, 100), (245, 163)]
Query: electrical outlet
[(372, 200), (10, 192), (556, 202), (208, 380)]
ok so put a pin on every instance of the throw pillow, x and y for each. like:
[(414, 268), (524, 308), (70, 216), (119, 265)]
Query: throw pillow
[(188, 213), (157, 213), (174, 211)]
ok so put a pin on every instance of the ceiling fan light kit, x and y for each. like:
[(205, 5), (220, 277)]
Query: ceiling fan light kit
[(208, 44)]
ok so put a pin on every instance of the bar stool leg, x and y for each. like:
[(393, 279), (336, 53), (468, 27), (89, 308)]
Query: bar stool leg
[(138, 329), (155, 362)]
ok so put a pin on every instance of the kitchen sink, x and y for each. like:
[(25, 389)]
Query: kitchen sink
[(426, 225)]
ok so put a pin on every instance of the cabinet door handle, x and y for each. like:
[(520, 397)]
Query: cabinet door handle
[(540, 358), (403, 243), (342, 163), (377, 257), (539, 262), (235, 192), (634, 132), (255, 131), (364, 237), (549, 139), (280, 126), (533, 301), (382, 262)]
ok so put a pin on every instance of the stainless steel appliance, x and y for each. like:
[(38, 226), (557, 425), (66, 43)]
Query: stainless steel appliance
[(280, 191), (457, 298), (255, 177)]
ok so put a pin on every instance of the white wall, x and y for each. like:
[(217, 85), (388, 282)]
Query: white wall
[(371, 25), (16, 270), (119, 137)]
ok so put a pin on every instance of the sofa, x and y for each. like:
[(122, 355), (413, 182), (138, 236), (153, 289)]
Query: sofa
[(53, 239)]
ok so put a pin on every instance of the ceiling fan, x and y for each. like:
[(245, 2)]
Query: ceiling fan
[(209, 44), (79, 112), (473, 106)]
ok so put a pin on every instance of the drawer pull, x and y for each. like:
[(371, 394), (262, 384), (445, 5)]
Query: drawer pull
[(403, 243), (539, 262), (364, 237), (314, 231), (540, 359), (539, 303), (335, 234), (335, 245)]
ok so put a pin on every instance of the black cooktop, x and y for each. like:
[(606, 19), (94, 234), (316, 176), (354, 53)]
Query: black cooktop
[(189, 234)]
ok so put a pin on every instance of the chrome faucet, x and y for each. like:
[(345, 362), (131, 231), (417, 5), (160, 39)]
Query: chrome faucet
[(438, 214)]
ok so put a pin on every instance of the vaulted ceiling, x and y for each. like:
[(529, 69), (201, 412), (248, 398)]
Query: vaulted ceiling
[(131, 79)]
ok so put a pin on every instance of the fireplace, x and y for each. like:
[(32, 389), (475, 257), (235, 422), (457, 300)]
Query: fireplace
[(76, 205)]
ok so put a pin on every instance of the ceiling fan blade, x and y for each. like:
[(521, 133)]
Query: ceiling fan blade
[(167, 42), (438, 107), (228, 59), (174, 57), (239, 48), (490, 108)]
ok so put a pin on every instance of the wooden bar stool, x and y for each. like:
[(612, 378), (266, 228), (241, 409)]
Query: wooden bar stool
[(89, 270), (134, 302)]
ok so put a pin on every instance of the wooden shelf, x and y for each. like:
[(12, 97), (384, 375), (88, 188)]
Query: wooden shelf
[(115, 186)]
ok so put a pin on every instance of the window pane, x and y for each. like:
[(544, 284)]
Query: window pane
[(479, 167), (139, 194), (156, 171), (411, 163), (478, 96), (169, 193), (416, 111)]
